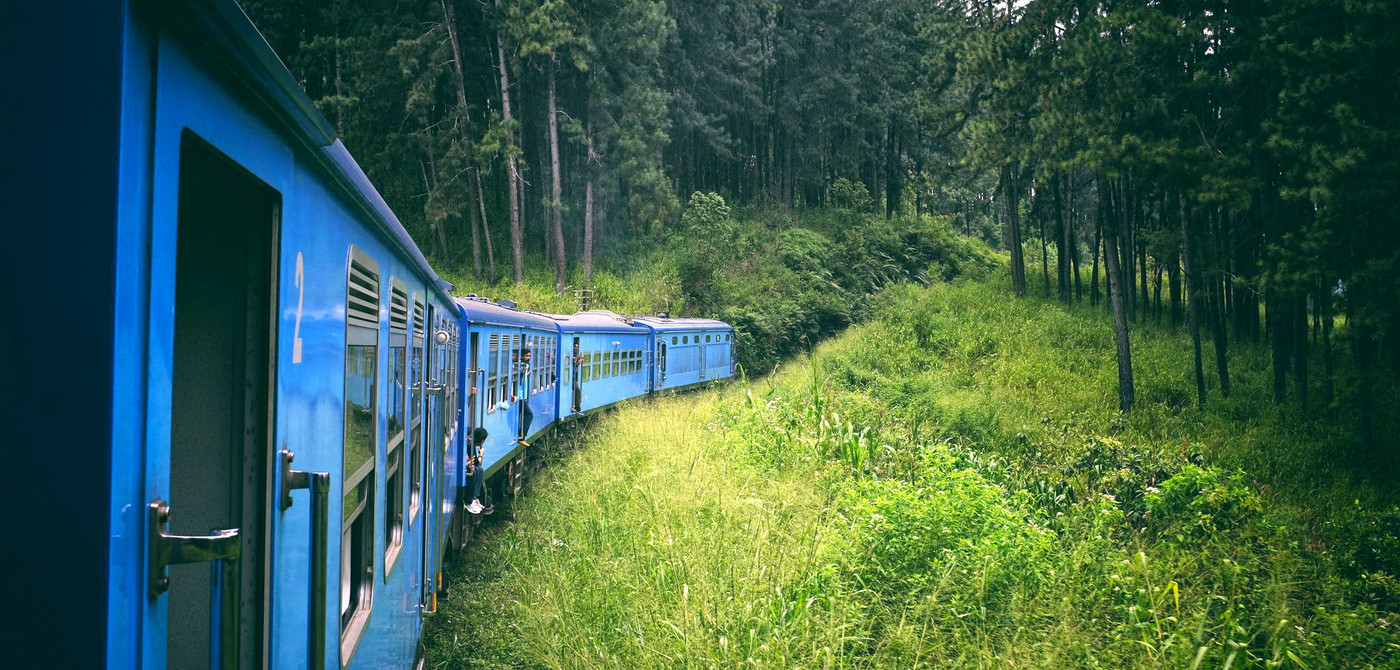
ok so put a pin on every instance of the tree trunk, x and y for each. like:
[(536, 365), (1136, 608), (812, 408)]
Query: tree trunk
[(1011, 191), (561, 271), (1145, 304), (1098, 249), (1073, 237), (1193, 300), (1364, 350), (1300, 349), (485, 229), (1062, 260), (476, 231), (1120, 318), (1157, 292), (1174, 288), (517, 238), (1044, 248), (1280, 339), (1325, 309), (589, 158), (894, 188), (1222, 342)]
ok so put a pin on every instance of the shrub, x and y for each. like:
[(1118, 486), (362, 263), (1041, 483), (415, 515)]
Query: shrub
[(1197, 502), (951, 532)]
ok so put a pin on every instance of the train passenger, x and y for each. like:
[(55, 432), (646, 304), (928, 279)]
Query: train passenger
[(578, 383), (476, 450), (521, 394)]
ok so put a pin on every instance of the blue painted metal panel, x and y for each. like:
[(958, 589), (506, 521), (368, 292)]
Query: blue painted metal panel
[(126, 565)]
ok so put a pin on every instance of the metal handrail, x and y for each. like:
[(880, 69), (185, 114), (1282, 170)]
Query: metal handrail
[(319, 483), (224, 549)]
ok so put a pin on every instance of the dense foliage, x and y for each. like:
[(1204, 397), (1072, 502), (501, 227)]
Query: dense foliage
[(786, 280), (1231, 164), (945, 485)]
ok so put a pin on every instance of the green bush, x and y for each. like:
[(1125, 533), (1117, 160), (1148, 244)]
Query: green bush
[(1198, 502), (951, 532)]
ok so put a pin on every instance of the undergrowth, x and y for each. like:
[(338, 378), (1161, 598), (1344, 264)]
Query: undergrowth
[(945, 486), (785, 279)]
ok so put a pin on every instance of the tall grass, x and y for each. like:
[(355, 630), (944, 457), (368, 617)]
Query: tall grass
[(943, 486)]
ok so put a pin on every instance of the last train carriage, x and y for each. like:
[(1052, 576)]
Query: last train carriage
[(241, 394)]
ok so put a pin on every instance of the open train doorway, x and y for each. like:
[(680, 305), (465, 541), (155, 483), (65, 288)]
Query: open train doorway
[(221, 414), (575, 358), (473, 397)]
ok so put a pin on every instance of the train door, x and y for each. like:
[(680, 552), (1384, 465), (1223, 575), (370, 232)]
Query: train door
[(209, 540), (434, 444), (700, 346), (473, 384), (661, 365), (574, 360)]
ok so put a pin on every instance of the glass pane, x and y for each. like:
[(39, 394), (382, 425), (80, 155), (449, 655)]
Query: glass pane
[(351, 500), (345, 569), (397, 378), (359, 407), (416, 370)]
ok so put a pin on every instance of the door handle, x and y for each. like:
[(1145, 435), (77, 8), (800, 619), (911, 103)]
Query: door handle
[(319, 483), (223, 549)]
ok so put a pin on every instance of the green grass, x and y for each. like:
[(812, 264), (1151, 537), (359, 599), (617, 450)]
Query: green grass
[(946, 485)]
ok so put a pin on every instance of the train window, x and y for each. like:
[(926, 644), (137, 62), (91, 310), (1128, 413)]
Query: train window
[(596, 362), (585, 371), (415, 412), (398, 360), (673, 340), (707, 338), (492, 372), (357, 473), (514, 365), (453, 349), (616, 363), (532, 382), (685, 340), (398, 407)]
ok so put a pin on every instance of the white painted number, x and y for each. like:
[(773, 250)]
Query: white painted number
[(301, 294)]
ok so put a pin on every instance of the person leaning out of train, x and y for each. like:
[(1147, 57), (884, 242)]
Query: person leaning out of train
[(578, 383), (476, 450), (521, 394)]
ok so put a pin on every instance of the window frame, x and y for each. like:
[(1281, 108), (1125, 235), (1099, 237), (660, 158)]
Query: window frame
[(357, 524)]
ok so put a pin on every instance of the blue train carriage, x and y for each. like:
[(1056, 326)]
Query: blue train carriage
[(497, 336), (688, 351), (262, 476), (604, 361)]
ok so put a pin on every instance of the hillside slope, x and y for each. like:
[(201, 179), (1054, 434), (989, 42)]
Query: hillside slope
[(939, 487)]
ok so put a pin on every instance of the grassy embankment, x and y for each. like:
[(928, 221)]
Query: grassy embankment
[(943, 486)]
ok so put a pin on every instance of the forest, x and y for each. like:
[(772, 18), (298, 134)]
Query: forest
[(1119, 283), (1225, 165)]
